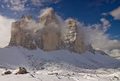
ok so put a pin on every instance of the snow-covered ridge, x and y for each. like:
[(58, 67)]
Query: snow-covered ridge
[(17, 56)]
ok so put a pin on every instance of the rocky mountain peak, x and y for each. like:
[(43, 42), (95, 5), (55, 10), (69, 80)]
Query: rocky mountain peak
[(71, 22), (47, 34), (21, 36), (49, 12), (30, 17), (22, 17), (47, 17), (72, 38)]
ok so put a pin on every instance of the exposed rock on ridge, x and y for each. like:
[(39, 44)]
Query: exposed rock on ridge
[(72, 38), (47, 34)]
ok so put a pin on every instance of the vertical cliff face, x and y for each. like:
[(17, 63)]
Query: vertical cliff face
[(20, 36), (72, 39), (50, 34), (47, 33), (50, 39)]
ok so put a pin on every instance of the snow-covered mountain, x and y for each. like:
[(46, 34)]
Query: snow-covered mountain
[(55, 50), (47, 33)]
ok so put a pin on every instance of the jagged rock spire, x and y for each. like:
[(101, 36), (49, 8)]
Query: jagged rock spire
[(22, 17), (20, 36), (47, 17), (49, 31), (30, 17), (49, 12), (72, 39)]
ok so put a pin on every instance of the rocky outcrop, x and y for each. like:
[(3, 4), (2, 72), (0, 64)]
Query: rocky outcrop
[(72, 39), (7, 73), (47, 33), (101, 52), (30, 17), (21, 70), (20, 36), (48, 17), (90, 48)]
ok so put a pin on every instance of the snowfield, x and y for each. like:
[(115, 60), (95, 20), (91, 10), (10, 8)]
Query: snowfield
[(60, 65)]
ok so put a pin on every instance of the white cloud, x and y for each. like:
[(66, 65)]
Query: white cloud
[(115, 53), (2, 6), (105, 14), (6, 1), (8, 5), (5, 30), (15, 13), (20, 5), (42, 2), (99, 39), (106, 24), (103, 27), (116, 13), (116, 36), (16, 4), (95, 35)]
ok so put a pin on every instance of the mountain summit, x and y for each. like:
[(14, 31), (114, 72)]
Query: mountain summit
[(47, 33)]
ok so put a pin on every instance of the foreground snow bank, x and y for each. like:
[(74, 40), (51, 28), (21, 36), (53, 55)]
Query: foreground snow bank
[(58, 74)]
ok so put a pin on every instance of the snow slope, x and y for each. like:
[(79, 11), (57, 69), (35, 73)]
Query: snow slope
[(65, 65)]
